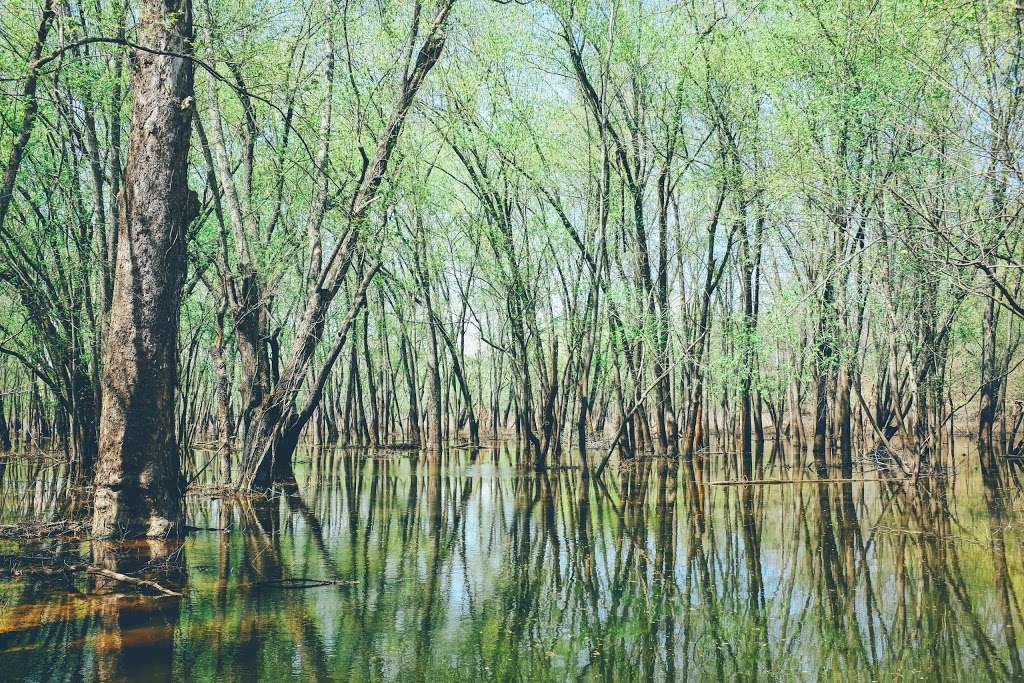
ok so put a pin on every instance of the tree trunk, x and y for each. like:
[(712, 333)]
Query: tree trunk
[(410, 383), (5, 433), (990, 380), (222, 391), (138, 488), (822, 369)]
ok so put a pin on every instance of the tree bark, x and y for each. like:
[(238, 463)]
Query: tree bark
[(139, 485)]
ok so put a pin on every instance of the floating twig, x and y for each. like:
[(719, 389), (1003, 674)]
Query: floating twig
[(123, 578), (734, 482)]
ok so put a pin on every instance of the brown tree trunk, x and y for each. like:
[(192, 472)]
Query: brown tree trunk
[(5, 432), (822, 369), (222, 391), (410, 382), (138, 478), (845, 424), (746, 380)]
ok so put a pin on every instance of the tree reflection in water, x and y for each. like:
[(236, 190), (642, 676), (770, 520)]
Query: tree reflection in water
[(465, 566)]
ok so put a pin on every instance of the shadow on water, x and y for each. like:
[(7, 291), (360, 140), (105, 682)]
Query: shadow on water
[(464, 566)]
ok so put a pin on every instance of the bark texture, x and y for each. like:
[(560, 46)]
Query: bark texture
[(138, 487)]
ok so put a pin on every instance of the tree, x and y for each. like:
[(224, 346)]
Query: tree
[(139, 486)]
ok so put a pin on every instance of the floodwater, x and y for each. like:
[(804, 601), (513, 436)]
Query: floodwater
[(462, 566)]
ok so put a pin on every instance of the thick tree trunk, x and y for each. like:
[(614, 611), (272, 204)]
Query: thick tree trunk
[(138, 478)]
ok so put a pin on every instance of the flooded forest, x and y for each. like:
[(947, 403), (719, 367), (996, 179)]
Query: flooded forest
[(520, 340)]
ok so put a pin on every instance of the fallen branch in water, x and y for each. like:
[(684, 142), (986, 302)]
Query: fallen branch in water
[(224, 491), (734, 482), (122, 578), (306, 583), (40, 530)]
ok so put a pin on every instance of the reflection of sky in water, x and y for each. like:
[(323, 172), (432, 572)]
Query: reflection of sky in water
[(481, 570)]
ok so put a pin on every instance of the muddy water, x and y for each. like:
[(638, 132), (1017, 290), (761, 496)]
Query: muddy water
[(462, 567)]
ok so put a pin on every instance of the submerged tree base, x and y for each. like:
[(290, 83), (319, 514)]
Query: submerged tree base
[(117, 514)]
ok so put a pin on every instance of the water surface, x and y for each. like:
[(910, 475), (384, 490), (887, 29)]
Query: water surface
[(463, 566)]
